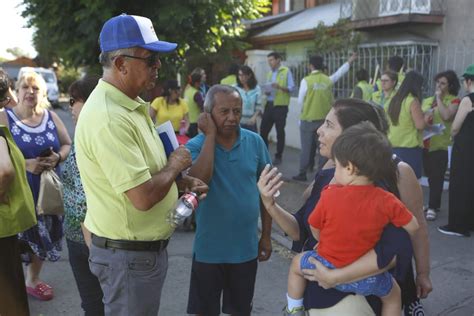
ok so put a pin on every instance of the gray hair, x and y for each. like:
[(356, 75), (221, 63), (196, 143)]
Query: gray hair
[(105, 58), (209, 102)]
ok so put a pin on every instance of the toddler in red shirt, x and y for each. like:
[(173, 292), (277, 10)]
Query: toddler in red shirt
[(350, 216)]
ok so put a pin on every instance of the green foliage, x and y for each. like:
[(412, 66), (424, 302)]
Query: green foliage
[(18, 52), (68, 30), (66, 76), (336, 37)]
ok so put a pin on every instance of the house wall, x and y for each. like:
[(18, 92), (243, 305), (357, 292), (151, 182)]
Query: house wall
[(294, 51), (257, 60), (455, 51), (454, 38)]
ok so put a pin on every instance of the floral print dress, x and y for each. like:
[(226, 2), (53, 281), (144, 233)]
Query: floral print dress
[(74, 199), (45, 237)]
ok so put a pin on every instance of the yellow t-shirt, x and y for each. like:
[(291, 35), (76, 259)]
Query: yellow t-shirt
[(166, 112), (117, 149)]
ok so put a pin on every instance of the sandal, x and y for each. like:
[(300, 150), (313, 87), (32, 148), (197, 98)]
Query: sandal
[(41, 291)]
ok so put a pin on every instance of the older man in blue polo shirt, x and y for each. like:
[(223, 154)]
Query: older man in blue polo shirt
[(227, 246)]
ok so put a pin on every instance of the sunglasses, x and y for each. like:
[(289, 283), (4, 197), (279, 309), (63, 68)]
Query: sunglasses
[(5, 99), (150, 61)]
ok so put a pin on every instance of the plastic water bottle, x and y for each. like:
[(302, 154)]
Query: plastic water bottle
[(182, 127), (185, 207)]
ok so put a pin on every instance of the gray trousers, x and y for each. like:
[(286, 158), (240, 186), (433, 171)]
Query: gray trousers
[(131, 280), (309, 143)]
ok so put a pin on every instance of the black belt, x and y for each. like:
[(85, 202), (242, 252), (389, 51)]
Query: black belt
[(156, 245)]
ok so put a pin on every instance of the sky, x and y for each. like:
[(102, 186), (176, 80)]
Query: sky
[(14, 31)]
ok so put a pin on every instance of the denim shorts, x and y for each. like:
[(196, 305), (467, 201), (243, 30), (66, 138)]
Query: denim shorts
[(379, 285)]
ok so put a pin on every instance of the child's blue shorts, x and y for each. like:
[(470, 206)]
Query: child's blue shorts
[(379, 285)]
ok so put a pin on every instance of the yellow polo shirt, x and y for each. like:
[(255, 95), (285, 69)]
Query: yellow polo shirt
[(117, 149)]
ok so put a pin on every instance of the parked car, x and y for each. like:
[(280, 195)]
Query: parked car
[(51, 82)]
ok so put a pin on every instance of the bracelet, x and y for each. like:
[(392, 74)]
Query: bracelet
[(59, 160)]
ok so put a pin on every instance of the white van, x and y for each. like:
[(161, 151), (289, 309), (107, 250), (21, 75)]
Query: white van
[(51, 82)]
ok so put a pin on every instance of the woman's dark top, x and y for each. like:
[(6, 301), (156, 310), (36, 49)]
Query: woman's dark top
[(461, 191), (465, 135), (394, 242)]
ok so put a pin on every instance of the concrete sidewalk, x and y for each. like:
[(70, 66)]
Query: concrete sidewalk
[(452, 262)]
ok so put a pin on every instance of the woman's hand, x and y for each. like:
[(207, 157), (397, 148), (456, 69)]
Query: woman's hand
[(51, 161), (268, 185), (325, 277), (36, 165)]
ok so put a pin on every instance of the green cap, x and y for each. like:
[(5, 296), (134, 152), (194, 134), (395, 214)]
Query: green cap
[(469, 71)]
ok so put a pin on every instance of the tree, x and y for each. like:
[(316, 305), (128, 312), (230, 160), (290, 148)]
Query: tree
[(336, 37), (69, 29), (17, 52)]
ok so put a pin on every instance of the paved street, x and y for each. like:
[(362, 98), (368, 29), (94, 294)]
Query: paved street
[(452, 261)]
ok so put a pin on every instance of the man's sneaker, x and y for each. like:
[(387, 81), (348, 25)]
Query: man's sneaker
[(431, 214), (297, 311), (276, 161), (452, 232), (300, 177)]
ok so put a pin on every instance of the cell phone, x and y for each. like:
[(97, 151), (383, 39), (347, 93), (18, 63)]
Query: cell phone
[(46, 152)]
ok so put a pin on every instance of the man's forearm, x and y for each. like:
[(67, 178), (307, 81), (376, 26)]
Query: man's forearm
[(147, 194), (266, 221), (204, 164)]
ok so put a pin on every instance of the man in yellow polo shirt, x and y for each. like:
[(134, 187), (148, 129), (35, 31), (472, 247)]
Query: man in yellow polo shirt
[(129, 183)]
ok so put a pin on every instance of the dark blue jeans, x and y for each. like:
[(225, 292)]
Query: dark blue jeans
[(87, 283)]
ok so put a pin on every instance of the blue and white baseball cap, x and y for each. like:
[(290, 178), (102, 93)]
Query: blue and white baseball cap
[(126, 31)]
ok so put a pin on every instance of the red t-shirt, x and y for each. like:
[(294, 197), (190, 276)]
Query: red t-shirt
[(351, 219)]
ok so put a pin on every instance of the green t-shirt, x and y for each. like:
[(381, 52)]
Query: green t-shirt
[(19, 213), (282, 98), (318, 99), (404, 134), (366, 89), (117, 149), (443, 140), (229, 80), (379, 98), (193, 107)]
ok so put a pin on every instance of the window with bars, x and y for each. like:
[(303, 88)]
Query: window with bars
[(417, 56)]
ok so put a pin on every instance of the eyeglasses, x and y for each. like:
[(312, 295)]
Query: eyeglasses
[(7, 99), (150, 61)]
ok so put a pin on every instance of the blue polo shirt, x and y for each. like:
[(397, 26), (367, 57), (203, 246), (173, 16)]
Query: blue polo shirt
[(227, 218)]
